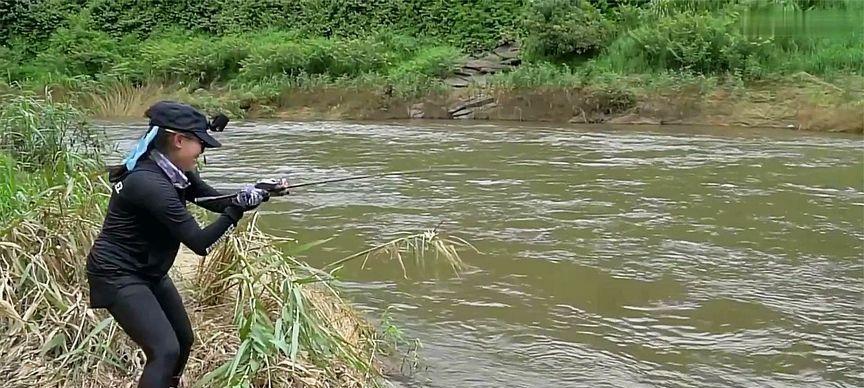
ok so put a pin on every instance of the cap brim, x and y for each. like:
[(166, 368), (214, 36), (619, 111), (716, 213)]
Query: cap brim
[(209, 141)]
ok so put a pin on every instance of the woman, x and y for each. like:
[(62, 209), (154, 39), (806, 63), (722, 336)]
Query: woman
[(146, 221)]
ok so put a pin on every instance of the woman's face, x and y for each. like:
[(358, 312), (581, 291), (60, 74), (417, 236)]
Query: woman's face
[(186, 149)]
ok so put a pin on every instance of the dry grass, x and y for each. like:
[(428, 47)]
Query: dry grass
[(50, 336), (119, 99), (52, 339), (261, 318), (294, 320)]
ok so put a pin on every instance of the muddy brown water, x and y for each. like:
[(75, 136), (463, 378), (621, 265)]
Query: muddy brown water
[(641, 256)]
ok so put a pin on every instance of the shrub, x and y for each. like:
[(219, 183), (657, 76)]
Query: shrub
[(560, 29), (697, 42)]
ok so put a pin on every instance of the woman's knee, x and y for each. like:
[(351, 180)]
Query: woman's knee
[(165, 351)]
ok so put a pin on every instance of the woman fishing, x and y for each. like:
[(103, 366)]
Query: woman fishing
[(146, 221)]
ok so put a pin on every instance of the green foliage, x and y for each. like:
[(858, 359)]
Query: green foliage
[(668, 8), (819, 56), (142, 17), (471, 24), (34, 20), (533, 75), (435, 61), (805, 5), (474, 25), (347, 18), (561, 29), (38, 133), (314, 56), (75, 50), (82, 45), (693, 42), (255, 15), (197, 58), (10, 60)]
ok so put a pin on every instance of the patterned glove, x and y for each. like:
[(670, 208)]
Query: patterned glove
[(249, 197)]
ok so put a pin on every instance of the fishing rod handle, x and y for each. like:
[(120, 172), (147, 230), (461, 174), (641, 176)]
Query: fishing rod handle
[(273, 187)]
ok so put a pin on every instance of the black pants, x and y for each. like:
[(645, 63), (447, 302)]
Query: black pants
[(153, 315)]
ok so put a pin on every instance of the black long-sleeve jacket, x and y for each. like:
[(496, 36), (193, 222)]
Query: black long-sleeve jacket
[(146, 222)]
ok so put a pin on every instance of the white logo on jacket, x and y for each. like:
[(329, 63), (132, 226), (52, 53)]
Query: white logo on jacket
[(222, 237)]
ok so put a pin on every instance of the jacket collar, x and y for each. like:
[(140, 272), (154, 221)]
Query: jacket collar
[(178, 178)]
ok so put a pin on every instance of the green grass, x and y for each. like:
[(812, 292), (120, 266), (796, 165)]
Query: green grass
[(44, 145), (43, 134)]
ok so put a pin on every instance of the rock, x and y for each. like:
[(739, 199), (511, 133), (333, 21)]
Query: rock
[(466, 114), (457, 82), (461, 112), (634, 119), (484, 112), (491, 58), (484, 66), (507, 51), (416, 111), (473, 103), (512, 62), (467, 72), (592, 118), (480, 80)]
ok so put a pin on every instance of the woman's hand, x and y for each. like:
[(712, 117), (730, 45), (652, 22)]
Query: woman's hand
[(249, 197)]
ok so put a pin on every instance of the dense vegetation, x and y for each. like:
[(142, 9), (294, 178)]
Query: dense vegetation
[(259, 48)]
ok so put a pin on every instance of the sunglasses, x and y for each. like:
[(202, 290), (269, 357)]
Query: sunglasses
[(201, 142), (193, 137)]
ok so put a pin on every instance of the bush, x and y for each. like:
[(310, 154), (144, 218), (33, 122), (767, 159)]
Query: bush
[(40, 133), (435, 61), (670, 8), (75, 50), (34, 20), (335, 57), (472, 24), (10, 64), (195, 58), (541, 74), (142, 17), (255, 15), (695, 42), (562, 29)]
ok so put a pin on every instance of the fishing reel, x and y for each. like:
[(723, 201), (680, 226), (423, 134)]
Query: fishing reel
[(274, 187), (219, 123)]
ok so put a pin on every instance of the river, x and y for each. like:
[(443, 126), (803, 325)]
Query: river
[(641, 256)]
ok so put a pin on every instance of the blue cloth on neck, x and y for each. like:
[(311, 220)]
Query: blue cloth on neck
[(140, 148)]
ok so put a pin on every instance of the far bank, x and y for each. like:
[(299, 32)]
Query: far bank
[(800, 102)]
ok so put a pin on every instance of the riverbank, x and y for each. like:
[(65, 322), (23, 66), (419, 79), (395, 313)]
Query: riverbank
[(801, 101), (753, 63)]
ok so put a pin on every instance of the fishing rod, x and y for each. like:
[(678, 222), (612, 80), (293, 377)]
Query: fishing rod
[(273, 187)]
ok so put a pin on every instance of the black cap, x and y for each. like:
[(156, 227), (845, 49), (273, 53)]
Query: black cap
[(184, 118)]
